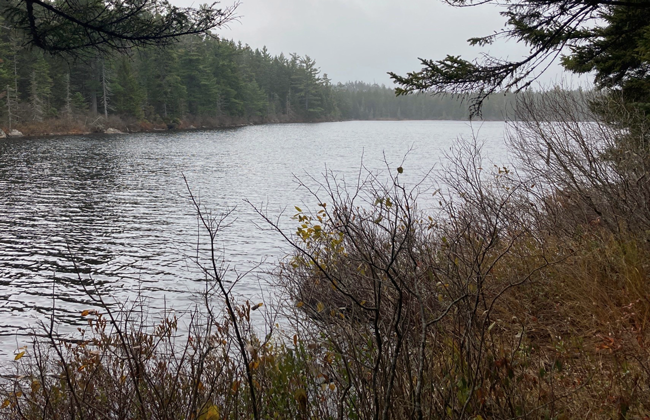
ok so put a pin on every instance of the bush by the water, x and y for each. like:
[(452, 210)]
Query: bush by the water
[(522, 293)]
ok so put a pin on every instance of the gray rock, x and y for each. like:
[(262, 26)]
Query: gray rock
[(3, 135), (113, 131), (15, 133)]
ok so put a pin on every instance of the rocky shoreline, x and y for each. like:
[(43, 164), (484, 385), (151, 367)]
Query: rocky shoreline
[(11, 133), (56, 128)]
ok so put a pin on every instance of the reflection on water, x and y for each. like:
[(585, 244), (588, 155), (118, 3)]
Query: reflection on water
[(118, 205)]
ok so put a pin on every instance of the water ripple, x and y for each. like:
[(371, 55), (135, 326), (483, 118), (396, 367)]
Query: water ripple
[(118, 207)]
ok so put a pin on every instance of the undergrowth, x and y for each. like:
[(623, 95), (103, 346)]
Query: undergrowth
[(519, 295)]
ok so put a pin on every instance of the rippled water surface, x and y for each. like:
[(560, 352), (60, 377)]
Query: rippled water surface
[(120, 206)]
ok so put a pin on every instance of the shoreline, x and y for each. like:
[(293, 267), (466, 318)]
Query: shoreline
[(27, 132), (118, 127)]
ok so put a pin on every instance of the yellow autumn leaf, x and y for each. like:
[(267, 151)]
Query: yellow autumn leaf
[(5, 404), (320, 307), (19, 355), (332, 387), (212, 413), (85, 313), (299, 304), (301, 397)]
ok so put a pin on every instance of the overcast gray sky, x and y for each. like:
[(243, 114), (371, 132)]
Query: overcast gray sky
[(363, 39)]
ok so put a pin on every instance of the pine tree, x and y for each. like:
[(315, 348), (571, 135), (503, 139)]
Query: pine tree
[(159, 71), (12, 76), (36, 101), (106, 88), (12, 106), (67, 109), (307, 85), (40, 87), (127, 93)]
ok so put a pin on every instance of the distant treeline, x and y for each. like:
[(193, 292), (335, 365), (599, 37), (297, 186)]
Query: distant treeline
[(362, 101), (199, 81)]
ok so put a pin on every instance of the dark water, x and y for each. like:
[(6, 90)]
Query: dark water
[(118, 206)]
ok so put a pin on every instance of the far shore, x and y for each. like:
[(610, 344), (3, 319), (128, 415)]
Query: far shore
[(66, 128)]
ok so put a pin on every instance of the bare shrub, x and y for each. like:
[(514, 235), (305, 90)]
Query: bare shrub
[(592, 170), (406, 301), (519, 295)]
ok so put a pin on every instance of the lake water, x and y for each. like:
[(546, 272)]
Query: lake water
[(120, 206)]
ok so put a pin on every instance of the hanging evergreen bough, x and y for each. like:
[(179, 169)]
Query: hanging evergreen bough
[(78, 26), (595, 32)]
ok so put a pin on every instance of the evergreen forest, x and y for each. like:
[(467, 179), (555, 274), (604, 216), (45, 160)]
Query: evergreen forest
[(197, 82), (200, 80), (362, 101)]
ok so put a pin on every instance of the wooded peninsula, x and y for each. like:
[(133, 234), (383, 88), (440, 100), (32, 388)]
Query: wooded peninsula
[(198, 82)]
